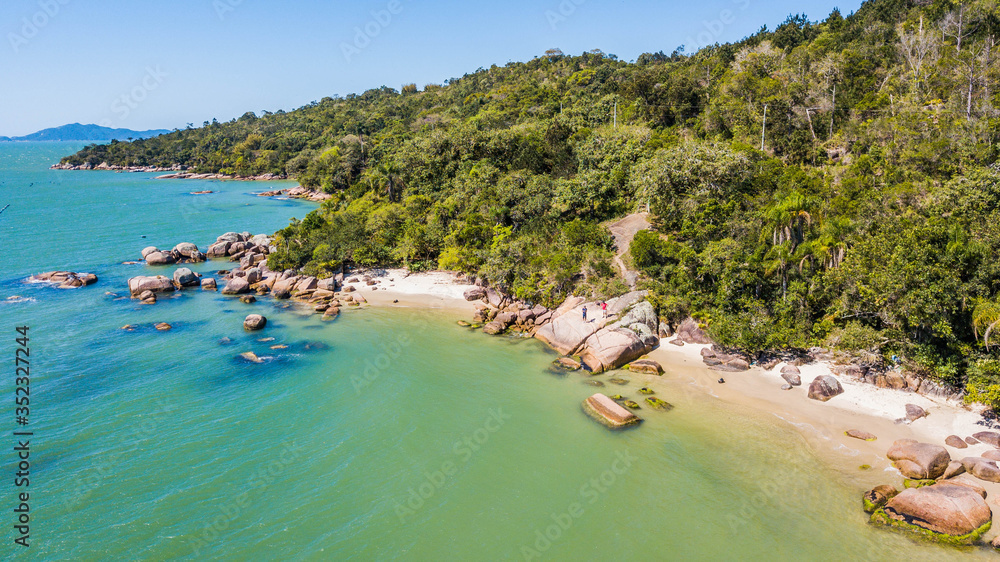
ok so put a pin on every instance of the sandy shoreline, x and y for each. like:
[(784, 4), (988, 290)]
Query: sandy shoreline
[(687, 380)]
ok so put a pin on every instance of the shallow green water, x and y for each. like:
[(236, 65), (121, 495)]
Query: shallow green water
[(388, 434)]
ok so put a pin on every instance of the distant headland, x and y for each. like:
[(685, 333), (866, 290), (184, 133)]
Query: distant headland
[(78, 132)]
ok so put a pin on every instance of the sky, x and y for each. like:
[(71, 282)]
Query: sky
[(161, 65)]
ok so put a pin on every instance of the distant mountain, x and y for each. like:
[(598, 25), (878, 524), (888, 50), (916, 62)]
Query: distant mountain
[(78, 132)]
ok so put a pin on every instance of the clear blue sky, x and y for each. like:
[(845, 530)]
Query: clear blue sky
[(145, 64)]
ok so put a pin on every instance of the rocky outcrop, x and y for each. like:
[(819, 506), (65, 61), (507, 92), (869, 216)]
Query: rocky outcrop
[(567, 332), (185, 252), (209, 284), (729, 363), (825, 387), (631, 337), (298, 192), (475, 294), (608, 412), (948, 512), (65, 279), (917, 460)]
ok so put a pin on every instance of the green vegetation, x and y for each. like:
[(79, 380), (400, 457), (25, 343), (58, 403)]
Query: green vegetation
[(869, 221)]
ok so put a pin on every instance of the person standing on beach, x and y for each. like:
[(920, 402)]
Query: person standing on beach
[(584, 314)]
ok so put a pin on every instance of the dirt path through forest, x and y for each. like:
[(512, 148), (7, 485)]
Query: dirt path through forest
[(624, 231)]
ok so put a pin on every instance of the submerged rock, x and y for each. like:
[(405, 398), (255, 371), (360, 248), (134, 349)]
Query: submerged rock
[(658, 404), (568, 363), (646, 366), (251, 357), (608, 412), (878, 497), (66, 279)]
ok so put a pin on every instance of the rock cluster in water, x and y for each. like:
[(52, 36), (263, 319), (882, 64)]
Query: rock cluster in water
[(66, 279)]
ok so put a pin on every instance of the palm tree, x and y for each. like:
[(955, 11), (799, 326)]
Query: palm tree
[(985, 317), (778, 258), (386, 173), (788, 219)]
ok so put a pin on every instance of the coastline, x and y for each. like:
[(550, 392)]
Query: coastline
[(687, 381)]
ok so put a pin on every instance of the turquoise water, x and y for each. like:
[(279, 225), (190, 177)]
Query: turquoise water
[(388, 434)]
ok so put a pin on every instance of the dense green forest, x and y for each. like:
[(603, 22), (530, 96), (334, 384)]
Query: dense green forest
[(867, 220)]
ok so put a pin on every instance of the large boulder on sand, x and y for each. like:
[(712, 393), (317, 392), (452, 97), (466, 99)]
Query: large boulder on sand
[(475, 294), (917, 460), (949, 512), (991, 438), (236, 286), (982, 468), (184, 277), (158, 284), (825, 387), (254, 322), (690, 332)]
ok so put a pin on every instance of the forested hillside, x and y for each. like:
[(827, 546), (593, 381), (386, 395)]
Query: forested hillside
[(868, 221)]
